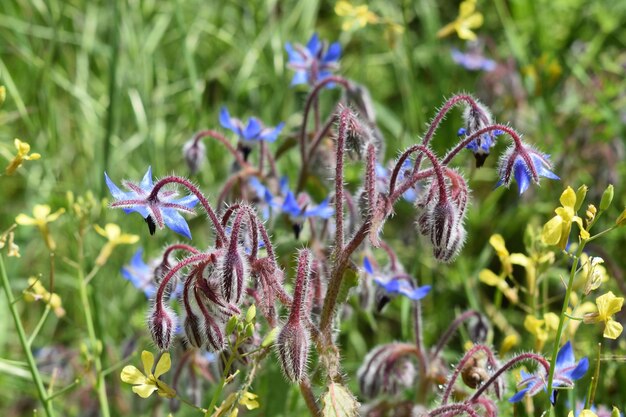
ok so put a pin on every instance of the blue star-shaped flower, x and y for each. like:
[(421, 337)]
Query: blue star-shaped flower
[(140, 274), (253, 131), (567, 370), (161, 211), (526, 165), (396, 284), (481, 146), (312, 63), (473, 60), (299, 211)]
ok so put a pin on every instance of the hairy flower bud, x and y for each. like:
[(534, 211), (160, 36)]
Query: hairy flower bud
[(193, 330), (194, 152), (387, 369), (235, 271), (477, 117), (162, 323), (292, 348)]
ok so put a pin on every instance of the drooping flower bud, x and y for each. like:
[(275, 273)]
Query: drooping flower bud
[(292, 347), (235, 271), (387, 369), (194, 152), (162, 323)]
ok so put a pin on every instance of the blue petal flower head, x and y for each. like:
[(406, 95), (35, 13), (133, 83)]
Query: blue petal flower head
[(299, 211), (140, 274), (400, 284), (161, 211), (313, 62), (254, 130), (482, 145), (473, 60), (264, 196), (566, 371), (526, 165)]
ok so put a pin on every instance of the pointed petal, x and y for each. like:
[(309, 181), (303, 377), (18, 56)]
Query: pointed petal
[(225, 119), (144, 390), (146, 182), (314, 44), (164, 365), (300, 77), (522, 177), (176, 222), (565, 356), (115, 192), (147, 358), (253, 129), (334, 52), (518, 396), (368, 266), (613, 329), (581, 369)]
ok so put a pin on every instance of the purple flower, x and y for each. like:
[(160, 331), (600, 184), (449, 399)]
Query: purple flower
[(473, 60), (400, 284), (253, 131), (567, 370), (526, 165), (162, 210), (313, 62), (140, 274)]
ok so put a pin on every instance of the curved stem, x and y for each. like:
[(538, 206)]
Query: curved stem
[(453, 410), (437, 167), (463, 143), (445, 338), (185, 262), (523, 357), (221, 235), (220, 138), (179, 246), (459, 368)]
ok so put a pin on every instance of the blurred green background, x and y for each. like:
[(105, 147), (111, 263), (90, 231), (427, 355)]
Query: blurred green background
[(116, 86)]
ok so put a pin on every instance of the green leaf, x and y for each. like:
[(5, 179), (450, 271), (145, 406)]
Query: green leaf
[(271, 336), (339, 402), (350, 280)]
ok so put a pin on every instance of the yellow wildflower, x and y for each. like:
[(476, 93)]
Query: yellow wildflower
[(3, 94), (36, 292), (541, 329), (249, 400), (467, 20), (584, 413), (145, 383), (608, 304), (22, 155), (6, 239), (41, 218), (499, 281), (354, 17), (112, 232), (592, 272), (509, 342), (556, 230)]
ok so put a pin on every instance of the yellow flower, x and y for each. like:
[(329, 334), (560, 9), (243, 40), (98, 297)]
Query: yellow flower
[(584, 413), (249, 400), (499, 281), (556, 230), (112, 232), (145, 383), (541, 329), (36, 292), (3, 94), (593, 273), (468, 19), (608, 304), (354, 17), (509, 342), (22, 155), (41, 218)]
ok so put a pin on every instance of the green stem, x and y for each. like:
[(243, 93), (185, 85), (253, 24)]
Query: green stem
[(220, 387), (96, 345), (42, 320), (559, 331), (41, 390)]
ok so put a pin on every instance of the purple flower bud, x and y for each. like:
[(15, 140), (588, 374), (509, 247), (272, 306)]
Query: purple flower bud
[(162, 323), (387, 369), (194, 152), (193, 330), (292, 348), (214, 334)]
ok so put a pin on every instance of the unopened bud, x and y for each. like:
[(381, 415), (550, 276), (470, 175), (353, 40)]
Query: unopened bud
[(162, 322), (193, 330), (214, 334), (234, 270), (387, 369), (478, 328), (607, 198), (591, 213), (581, 193), (292, 347), (194, 152)]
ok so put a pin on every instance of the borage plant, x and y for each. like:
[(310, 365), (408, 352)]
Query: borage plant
[(240, 272)]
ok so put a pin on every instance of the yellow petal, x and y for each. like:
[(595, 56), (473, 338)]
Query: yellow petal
[(608, 304), (568, 198), (25, 220), (132, 375), (497, 241), (164, 365), (519, 259), (465, 33), (551, 320), (144, 390), (343, 8), (33, 156), (474, 21), (551, 233), (41, 211), (587, 413), (489, 277), (127, 239), (55, 215), (147, 358), (613, 329), (446, 30), (249, 400), (466, 8)]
